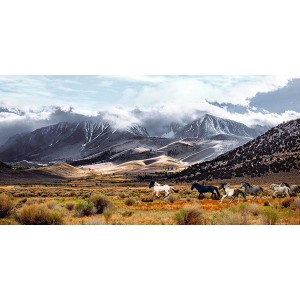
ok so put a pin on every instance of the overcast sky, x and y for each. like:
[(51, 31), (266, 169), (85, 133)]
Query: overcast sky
[(29, 102)]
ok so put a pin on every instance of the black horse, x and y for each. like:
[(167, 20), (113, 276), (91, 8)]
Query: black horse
[(206, 189)]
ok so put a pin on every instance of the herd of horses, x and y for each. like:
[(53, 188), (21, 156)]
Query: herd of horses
[(279, 190)]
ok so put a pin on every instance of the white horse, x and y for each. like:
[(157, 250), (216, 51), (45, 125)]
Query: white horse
[(230, 192), (280, 190), (295, 189), (161, 188)]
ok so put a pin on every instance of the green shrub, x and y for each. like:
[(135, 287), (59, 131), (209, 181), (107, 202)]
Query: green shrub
[(100, 202), (270, 216), (190, 216), (39, 214), (130, 202), (85, 208), (6, 205)]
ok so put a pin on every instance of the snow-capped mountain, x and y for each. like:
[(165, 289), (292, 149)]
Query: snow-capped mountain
[(99, 141), (67, 141), (210, 126), (277, 150)]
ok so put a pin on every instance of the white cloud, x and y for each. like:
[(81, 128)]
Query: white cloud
[(119, 117)]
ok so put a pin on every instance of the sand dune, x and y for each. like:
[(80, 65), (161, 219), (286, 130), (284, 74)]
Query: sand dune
[(150, 165)]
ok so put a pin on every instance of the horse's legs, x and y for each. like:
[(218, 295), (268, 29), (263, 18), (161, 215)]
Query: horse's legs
[(232, 199), (223, 198)]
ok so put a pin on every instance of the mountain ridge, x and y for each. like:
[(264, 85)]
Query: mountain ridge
[(277, 150), (100, 141)]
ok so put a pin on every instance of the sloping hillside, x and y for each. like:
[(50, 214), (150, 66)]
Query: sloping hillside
[(278, 150)]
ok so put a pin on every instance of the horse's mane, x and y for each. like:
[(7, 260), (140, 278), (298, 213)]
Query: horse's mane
[(246, 183)]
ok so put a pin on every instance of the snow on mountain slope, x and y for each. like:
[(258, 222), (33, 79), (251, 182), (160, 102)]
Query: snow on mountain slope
[(277, 150), (67, 141), (209, 126)]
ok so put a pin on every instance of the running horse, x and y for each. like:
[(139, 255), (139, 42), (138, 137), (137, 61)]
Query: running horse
[(206, 189), (157, 188)]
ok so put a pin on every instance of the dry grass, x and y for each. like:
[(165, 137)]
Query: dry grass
[(39, 214), (297, 203), (107, 213), (231, 218), (6, 205), (146, 208), (270, 216), (190, 216)]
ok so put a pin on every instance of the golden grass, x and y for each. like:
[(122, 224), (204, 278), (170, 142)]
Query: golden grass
[(64, 197)]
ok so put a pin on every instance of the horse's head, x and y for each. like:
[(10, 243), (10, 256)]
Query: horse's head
[(152, 184), (222, 185), (193, 186)]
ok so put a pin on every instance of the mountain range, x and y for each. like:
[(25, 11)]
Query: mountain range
[(100, 141), (277, 150)]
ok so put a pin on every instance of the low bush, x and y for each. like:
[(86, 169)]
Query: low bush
[(39, 214), (286, 203), (127, 213), (190, 216), (297, 203), (270, 216), (85, 208), (6, 205), (100, 202), (147, 199), (253, 209), (130, 202), (51, 204), (122, 195), (69, 206), (172, 198)]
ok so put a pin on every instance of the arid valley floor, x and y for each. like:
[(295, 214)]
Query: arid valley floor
[(93, 199)]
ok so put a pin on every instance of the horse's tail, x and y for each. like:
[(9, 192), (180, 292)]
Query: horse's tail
[(174, 190), (217, 190)]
